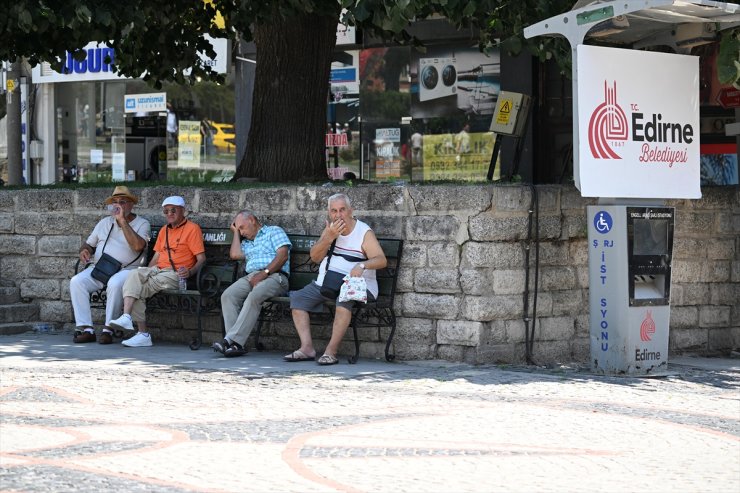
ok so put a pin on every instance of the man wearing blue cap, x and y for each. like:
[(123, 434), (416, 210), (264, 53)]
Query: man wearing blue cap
[(178, 252)]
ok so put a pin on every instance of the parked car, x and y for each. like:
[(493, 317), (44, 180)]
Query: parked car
[(224, 138)]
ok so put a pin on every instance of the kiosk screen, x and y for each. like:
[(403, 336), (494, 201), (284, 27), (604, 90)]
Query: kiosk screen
[(650, 237)]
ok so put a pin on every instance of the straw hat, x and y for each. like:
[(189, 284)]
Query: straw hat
[(122, 192)]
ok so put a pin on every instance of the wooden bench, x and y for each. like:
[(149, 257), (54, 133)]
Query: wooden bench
[(203, 295), (378, 314)]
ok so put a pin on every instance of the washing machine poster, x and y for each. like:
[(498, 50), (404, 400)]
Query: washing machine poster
[(450, 80), (387, 152), (188, 140)]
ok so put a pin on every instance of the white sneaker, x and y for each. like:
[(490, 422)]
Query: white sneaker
[(139, 340), (123, 322)]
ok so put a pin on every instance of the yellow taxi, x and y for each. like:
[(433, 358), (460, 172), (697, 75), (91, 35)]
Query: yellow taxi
[(224, 138)]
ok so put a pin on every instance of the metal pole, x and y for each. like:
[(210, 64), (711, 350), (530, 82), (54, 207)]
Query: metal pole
[(15, 167)]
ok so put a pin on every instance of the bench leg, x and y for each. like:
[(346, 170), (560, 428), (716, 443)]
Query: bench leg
[(353, 359), (388, 355), (198, 339)]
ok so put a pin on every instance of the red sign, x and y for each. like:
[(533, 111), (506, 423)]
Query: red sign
[(336, 140), (729, 97)]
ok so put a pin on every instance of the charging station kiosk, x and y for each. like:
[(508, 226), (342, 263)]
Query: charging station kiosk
[(634, 147)]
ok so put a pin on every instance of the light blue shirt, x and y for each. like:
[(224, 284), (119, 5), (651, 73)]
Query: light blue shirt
[(262, 250)]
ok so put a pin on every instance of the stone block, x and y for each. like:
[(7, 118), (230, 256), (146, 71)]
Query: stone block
[(432, 198), (94, 198), (495, 332), (557, 278), (714, 198), (439, 306), (512, 198), (581, 274), (414, 254), (694, 222), (477, 281), (578, 252), (544, 303), (583, 330), (504, 354), (498, 255), (431, 228), (59, 245), (459, 332), (720, 249), (443, 254), (405, 280), (574, 226), (415, 339), (7, 200), (580, 349), (14, 267), (17, 244), (568, 302), (724, 294), (385, 226), (315, 198), (152, 198), (572, 200), (688, 339), (684, 317), (688, 248), (40, 288), (553, 253), (552, 352), (33, 223), (515, 331), (714, 316), (451, 353), (716, 271), (227, 201), (46, 201), (555, 329), (724, 339), (64, 295), (685, 271), (692, 293), (490, 227), (6, 223), (374, 198), (735, 276), (55, 311), (54, 267), (508, 281), (291, 223), (487, 308), (437, 280)]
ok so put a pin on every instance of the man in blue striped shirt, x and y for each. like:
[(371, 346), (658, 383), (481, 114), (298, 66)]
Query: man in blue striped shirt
[(267, 251)]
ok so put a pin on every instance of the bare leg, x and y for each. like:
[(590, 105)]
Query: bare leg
[(302, 322), (342, 318), (128, 304)]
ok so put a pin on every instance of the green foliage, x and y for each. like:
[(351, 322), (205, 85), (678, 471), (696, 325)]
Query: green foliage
[(386, 105), (728, 60)]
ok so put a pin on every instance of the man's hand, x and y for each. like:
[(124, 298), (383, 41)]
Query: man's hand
[(336, 228), (85, 256), (356, 271), (258, 277)]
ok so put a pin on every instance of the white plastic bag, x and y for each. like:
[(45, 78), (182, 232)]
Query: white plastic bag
[(353, 289)]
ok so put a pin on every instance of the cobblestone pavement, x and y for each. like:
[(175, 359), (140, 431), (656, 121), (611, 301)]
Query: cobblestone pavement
[(92, 418)]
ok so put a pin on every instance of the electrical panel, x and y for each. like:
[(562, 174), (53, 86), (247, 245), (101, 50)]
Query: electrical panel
[(510, 115)]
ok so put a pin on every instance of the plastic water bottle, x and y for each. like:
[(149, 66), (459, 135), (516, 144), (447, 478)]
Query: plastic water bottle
[(183, 282)]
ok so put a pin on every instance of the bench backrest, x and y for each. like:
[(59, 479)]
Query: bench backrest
[(303, 270)]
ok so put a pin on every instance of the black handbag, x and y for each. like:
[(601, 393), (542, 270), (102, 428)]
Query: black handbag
[(332, 284), (106, 265)]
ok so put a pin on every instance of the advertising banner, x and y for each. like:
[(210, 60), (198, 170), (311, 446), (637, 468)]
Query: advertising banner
[(145, 103), (638, 115), (444, 160), (188, 148)]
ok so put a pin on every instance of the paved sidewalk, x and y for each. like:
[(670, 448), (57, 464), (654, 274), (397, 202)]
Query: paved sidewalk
[(91, 418)]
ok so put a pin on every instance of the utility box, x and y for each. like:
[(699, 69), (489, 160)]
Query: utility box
[(630, 257)]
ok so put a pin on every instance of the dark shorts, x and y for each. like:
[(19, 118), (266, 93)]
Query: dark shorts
[(310, 299)]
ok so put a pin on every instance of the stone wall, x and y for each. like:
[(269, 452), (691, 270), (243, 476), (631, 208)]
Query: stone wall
[(462, 275)]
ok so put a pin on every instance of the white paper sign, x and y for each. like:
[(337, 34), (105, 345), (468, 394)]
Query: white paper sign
[(96, 156), (118, 166), (638, 117)]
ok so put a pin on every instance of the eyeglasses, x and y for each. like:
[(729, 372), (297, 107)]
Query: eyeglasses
[(119, 202), (169, 211)]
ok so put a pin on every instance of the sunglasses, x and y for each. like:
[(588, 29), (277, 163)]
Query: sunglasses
[(169, 211)]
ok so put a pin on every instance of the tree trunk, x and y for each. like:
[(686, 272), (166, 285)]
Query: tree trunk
[(286, 137)]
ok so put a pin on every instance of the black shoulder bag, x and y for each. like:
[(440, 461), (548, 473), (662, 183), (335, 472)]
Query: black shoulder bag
[(332, 280), (106, 265)]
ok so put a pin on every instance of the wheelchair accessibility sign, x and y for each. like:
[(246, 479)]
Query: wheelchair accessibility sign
[(603, 222)]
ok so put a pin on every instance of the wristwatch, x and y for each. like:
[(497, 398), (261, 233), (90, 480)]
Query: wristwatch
[(267, 271), (362, 265)]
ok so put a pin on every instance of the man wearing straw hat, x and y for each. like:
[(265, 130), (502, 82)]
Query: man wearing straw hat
[(124, 236)]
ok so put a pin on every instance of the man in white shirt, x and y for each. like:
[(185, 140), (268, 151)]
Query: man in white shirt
[(122, 235)]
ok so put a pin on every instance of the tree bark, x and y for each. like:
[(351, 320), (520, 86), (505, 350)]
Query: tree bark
[(286, 137)]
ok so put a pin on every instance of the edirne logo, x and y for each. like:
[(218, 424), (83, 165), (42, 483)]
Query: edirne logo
[(608, 123)]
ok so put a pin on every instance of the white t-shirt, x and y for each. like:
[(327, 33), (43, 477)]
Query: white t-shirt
[(350, 245), (117, 246)]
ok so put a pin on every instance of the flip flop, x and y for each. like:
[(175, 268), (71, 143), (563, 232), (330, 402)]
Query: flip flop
[(328, 359), (298, 355)]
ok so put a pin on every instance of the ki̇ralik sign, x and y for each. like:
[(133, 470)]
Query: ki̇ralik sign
[(638, 115)]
